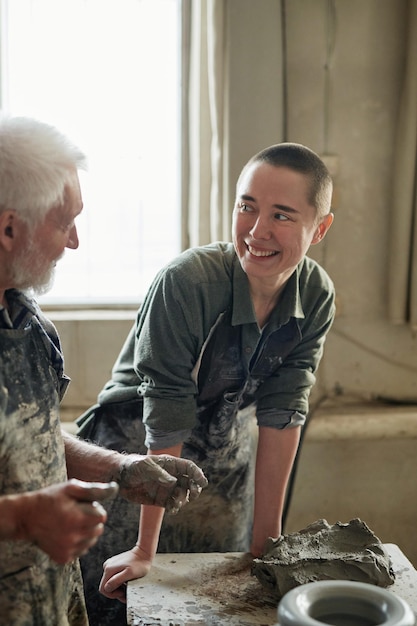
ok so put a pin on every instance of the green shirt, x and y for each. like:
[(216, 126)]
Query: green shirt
[(196, 343)]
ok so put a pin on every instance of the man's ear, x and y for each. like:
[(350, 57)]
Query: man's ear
[(8, 229), (322, 228)]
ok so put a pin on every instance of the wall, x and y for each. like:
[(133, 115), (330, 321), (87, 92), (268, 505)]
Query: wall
[(91, 342), (345, 64), (358, 461), (344, 70)]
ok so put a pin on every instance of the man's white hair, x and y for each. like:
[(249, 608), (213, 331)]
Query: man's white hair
[(36, 163)]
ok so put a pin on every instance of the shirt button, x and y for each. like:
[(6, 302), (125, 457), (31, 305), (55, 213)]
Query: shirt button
[(248, 350)]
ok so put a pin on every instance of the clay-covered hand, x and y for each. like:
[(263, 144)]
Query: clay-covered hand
[(121, 568), (65, 520), (160, 479)]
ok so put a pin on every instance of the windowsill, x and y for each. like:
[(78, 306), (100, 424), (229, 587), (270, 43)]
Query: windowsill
[(340, 420), (91, 341), (90, 314)]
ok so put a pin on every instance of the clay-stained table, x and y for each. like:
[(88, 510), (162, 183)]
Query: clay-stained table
[(216, 589)]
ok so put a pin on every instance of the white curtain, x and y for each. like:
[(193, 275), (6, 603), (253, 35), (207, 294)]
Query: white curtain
[(402, 274), (232, 104)]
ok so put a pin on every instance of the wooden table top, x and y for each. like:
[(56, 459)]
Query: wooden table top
[(217, 589)]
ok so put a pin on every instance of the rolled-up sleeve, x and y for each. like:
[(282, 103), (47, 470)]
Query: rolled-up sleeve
[(288, 387), (281, 419)]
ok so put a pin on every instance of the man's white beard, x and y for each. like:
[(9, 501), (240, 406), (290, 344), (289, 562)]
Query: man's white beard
[(29, 271)]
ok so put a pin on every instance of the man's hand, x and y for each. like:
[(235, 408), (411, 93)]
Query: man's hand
[(64, 520), (162, 480)]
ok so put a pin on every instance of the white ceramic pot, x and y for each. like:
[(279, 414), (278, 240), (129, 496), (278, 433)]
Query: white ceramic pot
[(343, 603)]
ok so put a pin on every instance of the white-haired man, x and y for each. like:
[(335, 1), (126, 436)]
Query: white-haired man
[(48, 515)]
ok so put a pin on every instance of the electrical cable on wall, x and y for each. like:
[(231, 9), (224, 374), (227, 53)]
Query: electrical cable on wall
[(284, 71), (330, 47)]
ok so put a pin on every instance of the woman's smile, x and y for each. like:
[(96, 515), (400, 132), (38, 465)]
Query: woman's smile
[(260, 252)]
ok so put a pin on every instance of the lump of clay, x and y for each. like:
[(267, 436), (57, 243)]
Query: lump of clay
[(324, 552)]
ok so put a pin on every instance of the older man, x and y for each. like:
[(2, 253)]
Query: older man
[(48, 515)]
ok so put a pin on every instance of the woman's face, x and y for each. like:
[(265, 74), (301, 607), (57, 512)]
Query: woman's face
[(274, 223)]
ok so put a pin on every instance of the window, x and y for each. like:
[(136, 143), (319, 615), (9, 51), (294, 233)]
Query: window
[(106, 73)]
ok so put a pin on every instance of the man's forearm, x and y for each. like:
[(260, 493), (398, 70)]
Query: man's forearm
[(89, 462)]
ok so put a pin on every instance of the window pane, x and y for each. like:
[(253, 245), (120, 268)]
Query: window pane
[(105, 72)]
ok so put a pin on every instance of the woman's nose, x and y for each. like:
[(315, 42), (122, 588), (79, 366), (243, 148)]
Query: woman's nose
[(73, 242), (260, 229)]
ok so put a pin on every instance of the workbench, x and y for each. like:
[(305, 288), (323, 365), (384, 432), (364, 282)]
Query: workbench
[(217, 589)]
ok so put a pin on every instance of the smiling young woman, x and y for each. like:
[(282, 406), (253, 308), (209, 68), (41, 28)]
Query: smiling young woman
[(274, 224)]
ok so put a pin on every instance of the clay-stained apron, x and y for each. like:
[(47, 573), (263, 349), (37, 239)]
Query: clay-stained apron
[(217, 589)]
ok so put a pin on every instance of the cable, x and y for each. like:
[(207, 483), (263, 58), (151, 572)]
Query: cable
[(372, 351), (291, 481)]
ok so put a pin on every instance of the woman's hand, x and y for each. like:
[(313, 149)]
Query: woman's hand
[(121, 568)]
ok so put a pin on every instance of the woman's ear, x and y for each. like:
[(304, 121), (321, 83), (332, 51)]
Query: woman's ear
[(322, 228), (8, 226)]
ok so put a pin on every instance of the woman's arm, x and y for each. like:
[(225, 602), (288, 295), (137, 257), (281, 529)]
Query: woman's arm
[(274, 460), (136, 563), (151, 517)]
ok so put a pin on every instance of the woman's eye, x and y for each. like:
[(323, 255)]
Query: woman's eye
[(281, 217)]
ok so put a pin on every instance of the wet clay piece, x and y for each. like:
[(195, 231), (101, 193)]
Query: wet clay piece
[(324, 552)]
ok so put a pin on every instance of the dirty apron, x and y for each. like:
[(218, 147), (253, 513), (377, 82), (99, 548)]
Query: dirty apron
[(218, 521), (222, 443), (34, 591)]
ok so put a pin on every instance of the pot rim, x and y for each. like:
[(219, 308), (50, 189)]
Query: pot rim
[(297, 602)]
